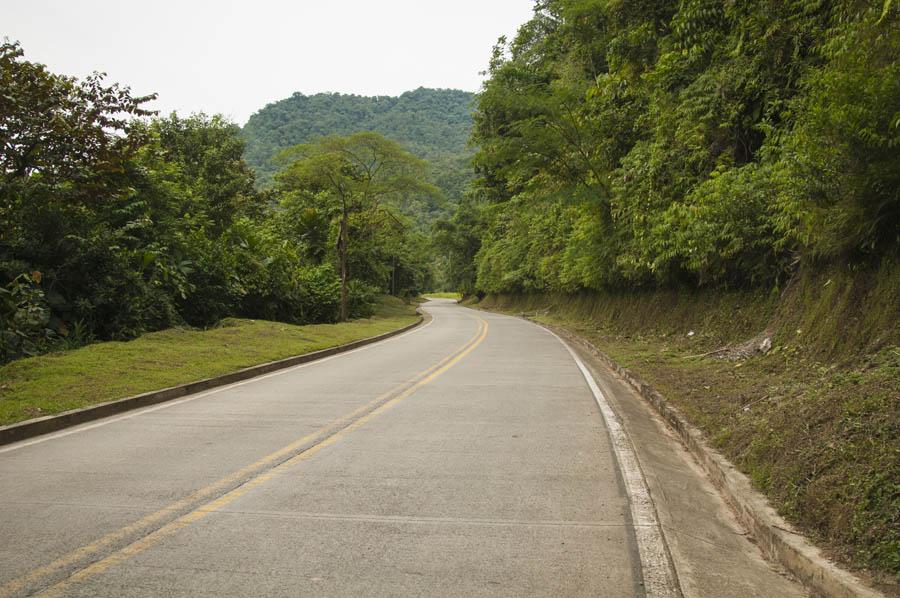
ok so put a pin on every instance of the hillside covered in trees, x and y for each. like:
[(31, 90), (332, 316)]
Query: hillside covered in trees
[(680, 181), (672, 173), (433, 124), (656, 143)]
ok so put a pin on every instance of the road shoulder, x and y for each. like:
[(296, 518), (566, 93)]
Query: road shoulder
[(44, 425), (712, 555)]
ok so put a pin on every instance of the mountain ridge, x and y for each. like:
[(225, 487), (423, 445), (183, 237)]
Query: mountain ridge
[(433, 124)]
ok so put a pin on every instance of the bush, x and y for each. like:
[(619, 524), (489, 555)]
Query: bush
[(24, 318), (212, 293), (320, 294), (361, 299), (112, 291)]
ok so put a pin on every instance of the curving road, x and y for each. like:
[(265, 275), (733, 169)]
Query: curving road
[(467, 457)]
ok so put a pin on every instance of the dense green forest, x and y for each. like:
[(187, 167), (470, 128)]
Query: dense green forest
[(697, 143), (433, 124), (648, 165), (114, 221), (710, 153)]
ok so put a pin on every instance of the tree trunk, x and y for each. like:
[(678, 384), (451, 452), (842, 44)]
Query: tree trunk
[(342, 258), (394, 275)]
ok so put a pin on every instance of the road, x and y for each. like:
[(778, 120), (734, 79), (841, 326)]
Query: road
[(468, 457)]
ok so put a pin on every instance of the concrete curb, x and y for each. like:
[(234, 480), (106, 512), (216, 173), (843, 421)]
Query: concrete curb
[(52, 423), (772, 533)]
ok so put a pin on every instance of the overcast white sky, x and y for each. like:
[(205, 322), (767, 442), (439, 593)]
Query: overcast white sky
[(235, 56)]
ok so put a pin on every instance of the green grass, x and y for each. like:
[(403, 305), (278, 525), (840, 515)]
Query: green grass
[(443, 295), (814, 423), (102, 372)]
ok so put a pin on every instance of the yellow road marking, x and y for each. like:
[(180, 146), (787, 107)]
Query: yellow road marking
[(335, 429)]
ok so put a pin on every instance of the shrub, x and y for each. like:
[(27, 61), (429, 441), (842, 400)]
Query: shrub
[(24, 318), (361, 299), (320, 294)]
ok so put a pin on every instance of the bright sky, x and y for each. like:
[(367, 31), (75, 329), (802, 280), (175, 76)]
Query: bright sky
[(235, 56)]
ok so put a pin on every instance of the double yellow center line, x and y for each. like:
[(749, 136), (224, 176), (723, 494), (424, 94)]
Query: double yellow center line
[(157, 526)]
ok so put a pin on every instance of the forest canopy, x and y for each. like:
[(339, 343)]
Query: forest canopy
[(701, 143), (433, 124), (115, 222)]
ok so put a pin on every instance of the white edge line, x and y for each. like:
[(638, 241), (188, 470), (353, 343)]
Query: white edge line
[(659, 580), (206, 393)]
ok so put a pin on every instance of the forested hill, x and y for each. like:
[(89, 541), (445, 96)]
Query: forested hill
[(634, 155), (434, 124), (697, 143)]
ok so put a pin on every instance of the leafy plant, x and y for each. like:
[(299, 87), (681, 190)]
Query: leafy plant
[(24, 318)]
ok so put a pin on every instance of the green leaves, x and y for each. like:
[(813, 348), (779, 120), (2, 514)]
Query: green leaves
[(25, 327), (694, 143), (357, 182), (840, 170), (59, 128), (432, 124)]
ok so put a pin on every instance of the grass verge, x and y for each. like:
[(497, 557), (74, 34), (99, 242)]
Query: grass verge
[(815, 422), (102, 372)]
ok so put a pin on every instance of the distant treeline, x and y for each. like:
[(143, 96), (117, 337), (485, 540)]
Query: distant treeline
[(433, 124), (654, 143), (112, 225)]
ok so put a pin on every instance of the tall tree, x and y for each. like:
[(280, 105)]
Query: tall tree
[(210, 151), (59, 128), (356, 178)]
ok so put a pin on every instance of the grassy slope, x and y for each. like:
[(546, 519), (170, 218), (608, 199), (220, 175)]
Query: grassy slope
[(105, 371), (815, 423)]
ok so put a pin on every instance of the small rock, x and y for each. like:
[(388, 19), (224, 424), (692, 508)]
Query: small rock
[(691, 333)]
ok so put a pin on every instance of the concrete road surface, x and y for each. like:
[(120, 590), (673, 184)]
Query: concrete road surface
[(469, 457)]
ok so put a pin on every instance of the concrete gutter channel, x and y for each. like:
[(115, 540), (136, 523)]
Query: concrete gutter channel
[(772, 533), (52, 423)]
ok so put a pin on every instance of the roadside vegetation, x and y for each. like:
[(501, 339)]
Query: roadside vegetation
[(675, 178), (56, 382), (658, 144), (115, 222), (814, 420)]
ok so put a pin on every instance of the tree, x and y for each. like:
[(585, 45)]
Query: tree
[(433, 124), (359, 178), (60, 128), (113, 225), (66, 154), (459, 239), (209, 151)]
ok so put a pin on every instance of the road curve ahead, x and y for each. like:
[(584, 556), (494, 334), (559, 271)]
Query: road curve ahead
[(465, 458)]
